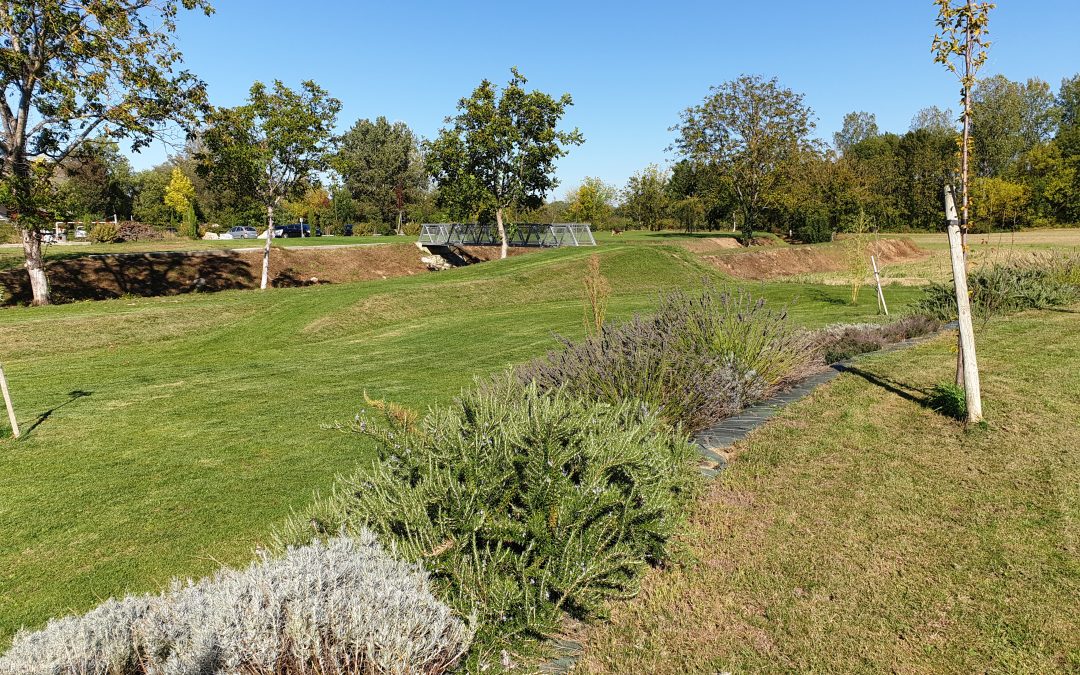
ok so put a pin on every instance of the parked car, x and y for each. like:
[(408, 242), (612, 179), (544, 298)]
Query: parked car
[(241, 232), (292, 230), (81, 233)]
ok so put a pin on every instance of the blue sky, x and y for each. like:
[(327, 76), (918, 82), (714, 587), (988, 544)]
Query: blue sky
[(630, 66)]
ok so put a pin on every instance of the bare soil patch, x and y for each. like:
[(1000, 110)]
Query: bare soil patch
[(791, 260), (100, 277)]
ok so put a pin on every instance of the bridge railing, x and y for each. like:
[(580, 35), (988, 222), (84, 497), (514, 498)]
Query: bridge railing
[(518, 234)]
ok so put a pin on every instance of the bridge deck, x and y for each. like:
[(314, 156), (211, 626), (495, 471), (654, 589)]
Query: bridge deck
[(522, 234)]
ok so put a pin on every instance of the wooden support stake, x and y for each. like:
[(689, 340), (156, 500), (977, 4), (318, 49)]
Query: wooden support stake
[(972, 394), (7, 402), (880, 295)]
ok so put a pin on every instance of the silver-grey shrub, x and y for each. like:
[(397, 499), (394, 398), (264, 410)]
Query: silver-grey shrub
[(345, 606)]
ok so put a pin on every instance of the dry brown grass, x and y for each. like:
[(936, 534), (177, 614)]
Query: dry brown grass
[(862, 532)]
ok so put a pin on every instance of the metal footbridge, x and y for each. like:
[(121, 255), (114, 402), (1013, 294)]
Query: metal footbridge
[(521, 234)]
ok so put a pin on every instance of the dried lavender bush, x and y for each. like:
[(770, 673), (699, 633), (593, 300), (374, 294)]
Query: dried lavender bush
[(345, 606), (842, 341), (696, 361)]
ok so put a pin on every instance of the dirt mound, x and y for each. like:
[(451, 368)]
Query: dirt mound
[(100, 277), (791, 260), (711, 244)]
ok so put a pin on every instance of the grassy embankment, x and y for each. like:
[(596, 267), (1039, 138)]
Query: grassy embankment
[(167, 436), (862, 532)]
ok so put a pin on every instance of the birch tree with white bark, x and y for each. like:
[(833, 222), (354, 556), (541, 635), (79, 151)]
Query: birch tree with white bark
[(271, 148)]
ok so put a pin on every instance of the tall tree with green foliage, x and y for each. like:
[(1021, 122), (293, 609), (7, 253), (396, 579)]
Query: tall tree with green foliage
[(74, 70), (748, 127), (592, 202), (382, 166), (961, 47), (857, 127), (646, 199), (499, 151), (271, 147), (1009, 119)]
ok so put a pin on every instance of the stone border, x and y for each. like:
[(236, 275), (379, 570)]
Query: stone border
[(736, 428), (723, 435)]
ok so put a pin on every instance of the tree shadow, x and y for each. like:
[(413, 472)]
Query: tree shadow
[(822, 296), (107, 276), (72, 397), (904, 391)]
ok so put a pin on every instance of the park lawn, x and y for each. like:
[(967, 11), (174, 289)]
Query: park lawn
[(862, 532), (167, 436)]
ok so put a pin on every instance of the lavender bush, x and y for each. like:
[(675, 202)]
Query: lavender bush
[(345, 606), (696, 361)]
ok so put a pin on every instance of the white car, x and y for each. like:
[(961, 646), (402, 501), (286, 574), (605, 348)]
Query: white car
[(81, 233), (241, 232)]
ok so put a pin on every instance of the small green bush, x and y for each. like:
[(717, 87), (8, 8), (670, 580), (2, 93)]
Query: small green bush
[(104, 232), (1050, 280), (521, 504), (948, 399)]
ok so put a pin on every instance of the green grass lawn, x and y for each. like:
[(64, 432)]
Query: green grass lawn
[(861, 532), (167, 436)]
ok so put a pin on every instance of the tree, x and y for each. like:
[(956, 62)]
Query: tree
[(72, 70), (858, 126), (94, 181), (933, 119), (962, 38), (1008, 120), (500, 149), (646, 197), (748, 127), (1068, 102), (381, 165), (591, 202), (180, 194), (271, 147)]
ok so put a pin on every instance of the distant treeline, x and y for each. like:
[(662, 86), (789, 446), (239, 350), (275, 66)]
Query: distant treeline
[(1026, 149)]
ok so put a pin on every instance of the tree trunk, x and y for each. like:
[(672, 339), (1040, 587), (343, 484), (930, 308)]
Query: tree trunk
[(966, 357), (266, 250), (502, 232), (35, 266)]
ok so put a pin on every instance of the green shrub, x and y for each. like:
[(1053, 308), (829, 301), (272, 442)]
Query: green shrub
[(104, 232), (696, 361), (521, 504), (1049, 280), (948, 399)]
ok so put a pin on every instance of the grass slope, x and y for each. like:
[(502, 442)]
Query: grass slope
[(861, 532), (152, 450)]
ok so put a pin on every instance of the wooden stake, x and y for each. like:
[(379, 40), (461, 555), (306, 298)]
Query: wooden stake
[(880, 295), (972, 395), (7, 402)]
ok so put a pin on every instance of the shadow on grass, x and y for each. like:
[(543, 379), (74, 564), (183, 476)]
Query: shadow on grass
[(72, 397), (827, 297), (909, 393)]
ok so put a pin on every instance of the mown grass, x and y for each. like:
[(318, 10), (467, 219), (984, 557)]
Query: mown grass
[(167, 436), (862, 532)]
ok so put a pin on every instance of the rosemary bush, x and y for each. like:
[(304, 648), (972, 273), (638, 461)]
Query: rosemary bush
[(696, 361), (340, 607), (522, 504)]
